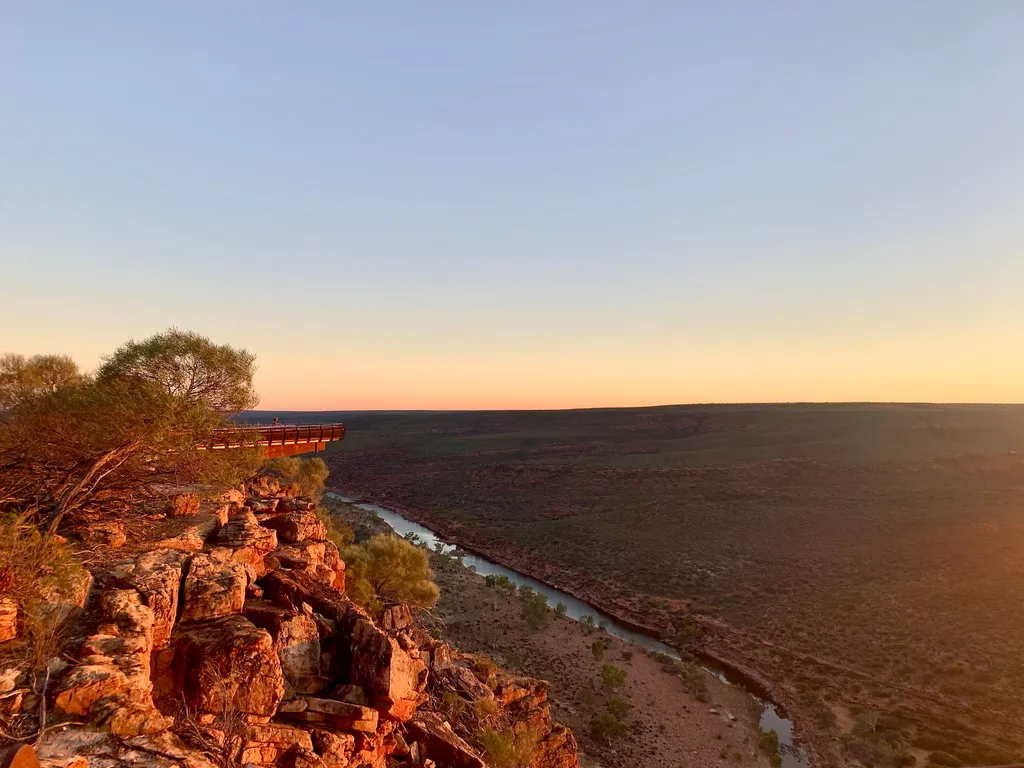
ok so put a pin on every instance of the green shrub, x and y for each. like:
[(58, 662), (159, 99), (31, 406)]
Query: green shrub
[(484, 669), (503, 582), (560, 609), (37, 569), (452, 705), (768, 742), (588, 622), (597, 648), (535, 611), (508, 748), (484, 708), (606, 728), (619, 708), (613, 677), (388, 568), (306, 475), (339, 532)]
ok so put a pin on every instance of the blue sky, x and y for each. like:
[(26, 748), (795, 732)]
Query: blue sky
[(466, 204)]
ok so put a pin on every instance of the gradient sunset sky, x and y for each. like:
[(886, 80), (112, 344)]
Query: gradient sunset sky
[(526, 204)]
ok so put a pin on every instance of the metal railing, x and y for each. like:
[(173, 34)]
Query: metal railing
[(284, 434)]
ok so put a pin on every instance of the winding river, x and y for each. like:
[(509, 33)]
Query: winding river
[(793, 756)]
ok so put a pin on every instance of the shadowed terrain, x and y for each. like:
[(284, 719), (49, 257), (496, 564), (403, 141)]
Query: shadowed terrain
[(865, 559)]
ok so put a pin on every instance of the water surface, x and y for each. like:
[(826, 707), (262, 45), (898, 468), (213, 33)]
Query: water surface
[(793, 756)]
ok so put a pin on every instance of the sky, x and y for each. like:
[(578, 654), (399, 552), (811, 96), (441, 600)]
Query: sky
[(462, 204)]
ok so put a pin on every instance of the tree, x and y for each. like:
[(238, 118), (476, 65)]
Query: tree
[(619, 708), (560, 609), (189, 368), (535, 610), (613, 677), (22, 378), (606, 728), (73, 441), (389, 568), (597, 648)]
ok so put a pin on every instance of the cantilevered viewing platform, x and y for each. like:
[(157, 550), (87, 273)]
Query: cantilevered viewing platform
[(280, 440)]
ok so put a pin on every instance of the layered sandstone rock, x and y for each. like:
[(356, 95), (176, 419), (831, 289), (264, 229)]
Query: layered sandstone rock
[(156, 575), (213, 589), (254, 654), (226, 663)]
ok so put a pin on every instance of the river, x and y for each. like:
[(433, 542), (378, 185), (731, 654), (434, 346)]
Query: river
[(793, 755)]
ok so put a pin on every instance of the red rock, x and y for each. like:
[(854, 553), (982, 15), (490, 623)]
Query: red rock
[(335, 749), (244, 540), (297, 526), (213, 589), (157, 577), (267, 744), (440, 743), (8, 619), (107, 532), (393, 679), (224, 662)]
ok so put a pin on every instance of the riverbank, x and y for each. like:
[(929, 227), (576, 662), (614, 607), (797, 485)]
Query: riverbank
[(668, 720)]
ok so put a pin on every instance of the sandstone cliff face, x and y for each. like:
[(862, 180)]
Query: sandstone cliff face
[(246, 651)]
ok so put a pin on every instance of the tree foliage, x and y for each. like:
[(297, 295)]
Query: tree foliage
[(387, 568), (508, 747), (107, 439), (189, 368), (307, 475), (606, 728), (22, 378), (613, 677), (535, 610)]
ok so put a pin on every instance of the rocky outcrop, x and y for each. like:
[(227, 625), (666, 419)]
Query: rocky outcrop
[(213, 589), (441, 744), (112, 686), (156, 575), (244, 540), (246, 650), (223, 664)]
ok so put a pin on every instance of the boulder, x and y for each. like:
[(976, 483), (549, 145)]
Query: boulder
[(298, 526), (226, 663), (107, 532), (351, 717), (261, 507), (557, 749), (297, 642), (335, 749), (234, 496), (267, 744), (312, 557), (87, 684), (183, 505), (157, 577), (129, 715), (8, 619), (393, 679), (395, 617), (244, 540), (191, 538), (295, 504), (213, 589), (440, 743)]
